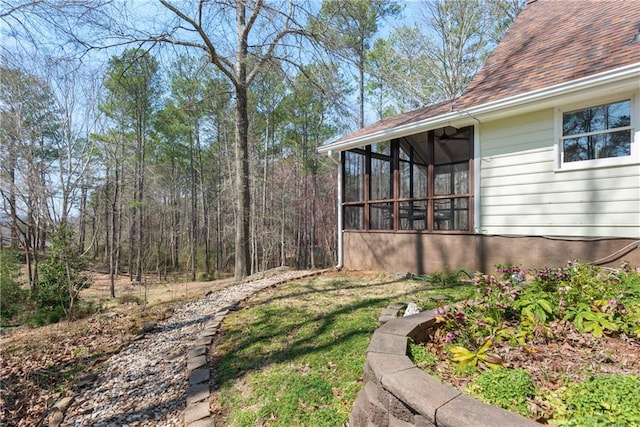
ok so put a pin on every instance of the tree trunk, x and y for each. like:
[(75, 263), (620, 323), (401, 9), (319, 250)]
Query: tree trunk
[(361, 84), (205, 208), (194, 209), (113, 263), (138, 200), (83, 219), (283, 254), (13, 213), (175, 218), (242, 256)]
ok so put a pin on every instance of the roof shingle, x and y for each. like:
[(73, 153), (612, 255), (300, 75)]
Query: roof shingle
[(554, 42)]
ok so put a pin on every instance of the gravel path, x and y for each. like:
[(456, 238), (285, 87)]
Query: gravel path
[(146, 383)]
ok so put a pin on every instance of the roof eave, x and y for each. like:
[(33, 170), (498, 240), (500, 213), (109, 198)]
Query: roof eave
[(531, 100), (509, 106), (393, 133)]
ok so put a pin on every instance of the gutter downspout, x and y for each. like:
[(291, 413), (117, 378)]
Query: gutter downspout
[(340, 214)]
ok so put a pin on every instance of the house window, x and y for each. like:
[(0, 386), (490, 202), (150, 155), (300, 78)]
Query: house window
[(417, 183), (597, 132)]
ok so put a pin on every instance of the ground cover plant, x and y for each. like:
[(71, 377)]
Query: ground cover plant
[(295, 354), (561, 347)]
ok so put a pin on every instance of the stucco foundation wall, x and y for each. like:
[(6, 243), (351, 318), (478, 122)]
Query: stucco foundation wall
[(427, 253)]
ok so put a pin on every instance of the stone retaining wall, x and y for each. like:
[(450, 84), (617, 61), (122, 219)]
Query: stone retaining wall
[(397, 393)]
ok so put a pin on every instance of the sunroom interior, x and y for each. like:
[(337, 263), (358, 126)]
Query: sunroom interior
[(421, 183)]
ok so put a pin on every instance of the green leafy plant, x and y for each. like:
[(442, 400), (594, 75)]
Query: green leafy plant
[(610, 400), (507, 388), (558, 303), (595, 322), (517, 335), (536, 308), (630, 324), (61, 279), (480, 358), (421, 356), (13, 297)]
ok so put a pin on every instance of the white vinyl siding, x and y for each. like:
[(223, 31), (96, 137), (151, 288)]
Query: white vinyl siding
[(522, 193)]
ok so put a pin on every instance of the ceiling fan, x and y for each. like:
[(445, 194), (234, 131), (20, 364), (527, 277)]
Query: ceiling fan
[(452, 137)]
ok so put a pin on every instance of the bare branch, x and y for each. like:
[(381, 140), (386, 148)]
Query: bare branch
[(221, 62), (13, 8)]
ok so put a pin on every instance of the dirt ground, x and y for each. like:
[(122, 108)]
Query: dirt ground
[(38, 364), (152, 291)]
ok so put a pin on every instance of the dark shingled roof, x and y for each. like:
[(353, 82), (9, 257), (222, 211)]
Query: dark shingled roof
[(551, 42)]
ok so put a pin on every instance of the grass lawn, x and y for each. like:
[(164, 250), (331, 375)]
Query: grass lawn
[(294, 354)]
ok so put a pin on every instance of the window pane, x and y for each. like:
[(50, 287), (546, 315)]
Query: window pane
[(419, 181), (381, 183), (381, 216), (442, 180), (354, 217), (451, 214), (616, 144), (405, 180), (382, 148), (354, 177), (461, 214), (451, 179), (596, 119), (413, 185), (405, 153), (461, 178), (413, 215), (442, 214), (599, 146)]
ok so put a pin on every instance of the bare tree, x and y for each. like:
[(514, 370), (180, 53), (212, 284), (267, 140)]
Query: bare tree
[(464, 34), (261, 29)]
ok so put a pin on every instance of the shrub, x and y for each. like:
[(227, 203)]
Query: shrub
[(12, 295), (61, 278), (506, 388)]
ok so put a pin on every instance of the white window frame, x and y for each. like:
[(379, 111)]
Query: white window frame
[(633, 158)]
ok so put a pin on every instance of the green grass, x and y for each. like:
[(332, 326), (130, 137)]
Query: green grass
[(296, 355)]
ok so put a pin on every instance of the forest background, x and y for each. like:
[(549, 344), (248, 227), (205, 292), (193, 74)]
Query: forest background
[(158, 138)]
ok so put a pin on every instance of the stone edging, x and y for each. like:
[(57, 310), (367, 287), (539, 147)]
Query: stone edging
[(196, 413), (397, 393)]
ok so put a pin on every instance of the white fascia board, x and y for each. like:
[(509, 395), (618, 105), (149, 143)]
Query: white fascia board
[(623, 77), (627, 77)]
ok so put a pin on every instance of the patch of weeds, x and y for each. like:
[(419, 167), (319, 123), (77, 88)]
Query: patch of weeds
[(506, 388), (422, 357), (80, 352), (610, 400), (465, 371), (445, 278), (129, 299)]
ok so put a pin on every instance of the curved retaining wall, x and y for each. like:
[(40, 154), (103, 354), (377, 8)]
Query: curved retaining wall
[(397, 393)]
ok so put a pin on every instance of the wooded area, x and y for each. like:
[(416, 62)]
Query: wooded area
[(180, 137)]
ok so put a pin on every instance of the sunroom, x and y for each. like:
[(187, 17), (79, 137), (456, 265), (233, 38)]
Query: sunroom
[(420, 183)]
